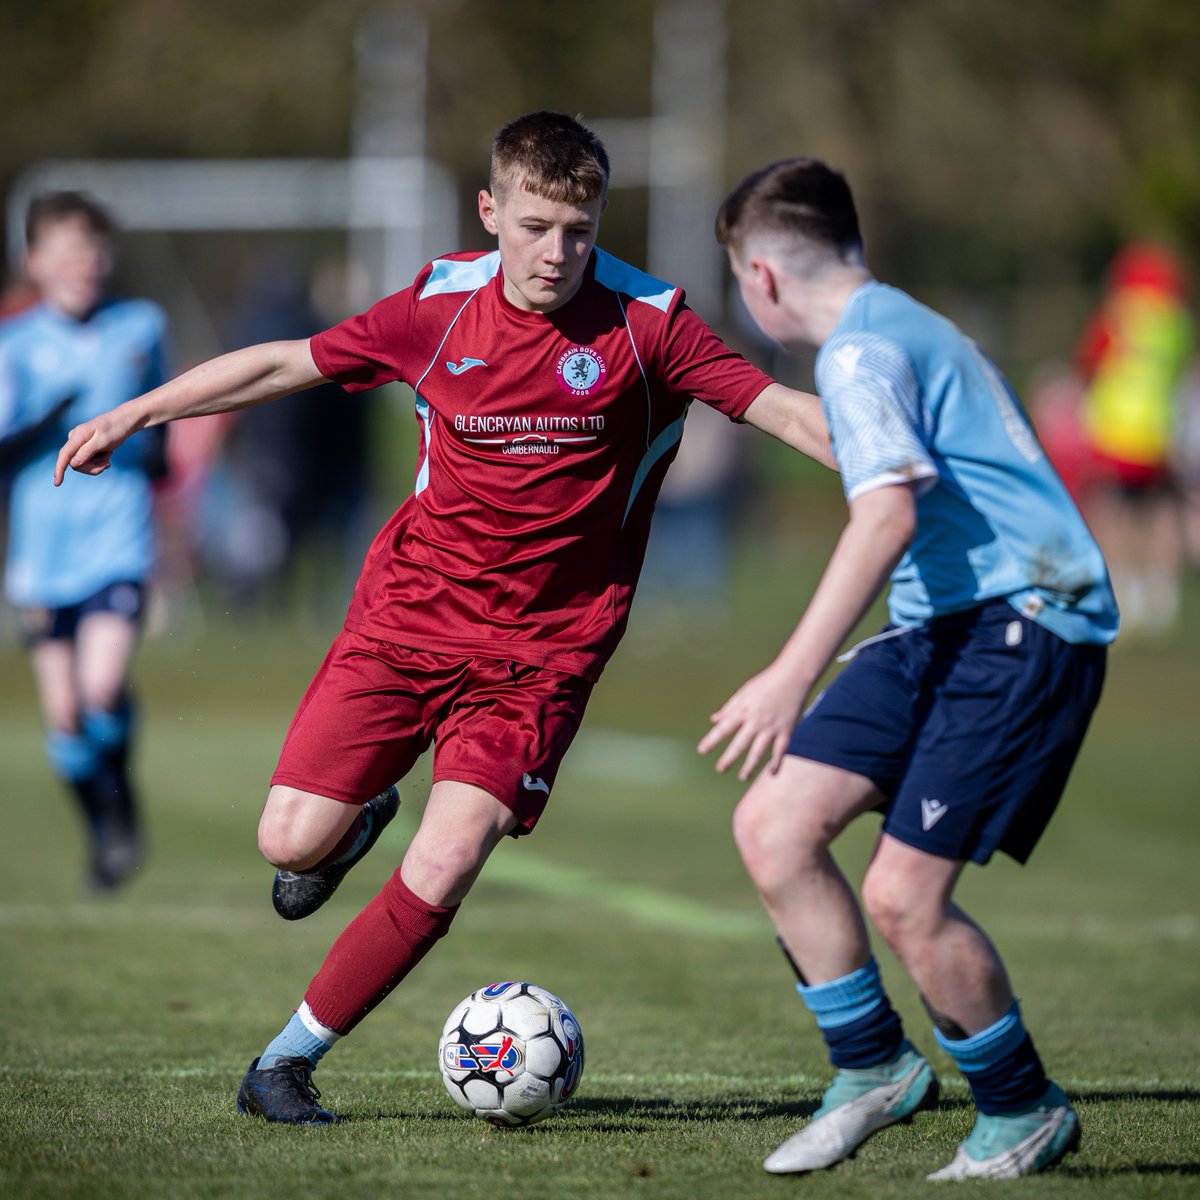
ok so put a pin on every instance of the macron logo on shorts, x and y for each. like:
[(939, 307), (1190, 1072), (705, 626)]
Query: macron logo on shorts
[(932, 811), (535, 785)]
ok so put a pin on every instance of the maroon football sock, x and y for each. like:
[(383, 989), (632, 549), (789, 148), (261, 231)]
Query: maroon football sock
[(374, 953)]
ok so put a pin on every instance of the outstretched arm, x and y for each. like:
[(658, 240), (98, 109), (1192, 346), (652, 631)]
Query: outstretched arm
[(759, 717), (795, 418), (233, 381)]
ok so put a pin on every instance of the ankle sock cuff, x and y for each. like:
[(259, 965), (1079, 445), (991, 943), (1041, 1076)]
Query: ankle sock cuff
[(71, 755), (302, 1037), (323, 1032), (108, 731), (989, 1046), (845, 1000)]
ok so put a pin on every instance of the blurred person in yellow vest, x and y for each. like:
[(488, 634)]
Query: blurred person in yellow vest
[(1133, 356)]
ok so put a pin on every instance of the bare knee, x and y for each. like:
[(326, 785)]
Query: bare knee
[(903, 915), (298, 829), (750, 837), (908, 895), (774, 844), (281, 845)]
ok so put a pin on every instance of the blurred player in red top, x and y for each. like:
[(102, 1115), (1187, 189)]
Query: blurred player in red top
[(551, 387), (1132, 357)]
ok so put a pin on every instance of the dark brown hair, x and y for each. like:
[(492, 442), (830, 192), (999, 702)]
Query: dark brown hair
[(798, 197), (49, 208)]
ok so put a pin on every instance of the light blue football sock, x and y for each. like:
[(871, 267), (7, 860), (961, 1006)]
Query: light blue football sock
[(72, 755), (855, 1017), (988, 1047), (302, 1037), (845, 1000), (108, 732)]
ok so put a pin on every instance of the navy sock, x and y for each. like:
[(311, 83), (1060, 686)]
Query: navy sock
[(77, 763), (855, 1017), (109, 734), (1000, 1065)]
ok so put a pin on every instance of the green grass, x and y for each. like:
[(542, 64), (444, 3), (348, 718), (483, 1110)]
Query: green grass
[(128, 1021)]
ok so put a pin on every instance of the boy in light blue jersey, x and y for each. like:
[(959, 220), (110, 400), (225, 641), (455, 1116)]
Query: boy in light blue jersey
[(79, 557), (960, 721)]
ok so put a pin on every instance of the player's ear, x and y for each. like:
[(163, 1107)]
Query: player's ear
[(487, 211), (763, 274)]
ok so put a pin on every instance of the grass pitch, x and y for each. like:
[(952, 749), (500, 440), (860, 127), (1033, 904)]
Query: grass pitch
[(128, 1021)]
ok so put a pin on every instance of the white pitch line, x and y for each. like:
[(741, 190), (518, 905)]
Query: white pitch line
[(601, 753), (639, 903), (643, 904)]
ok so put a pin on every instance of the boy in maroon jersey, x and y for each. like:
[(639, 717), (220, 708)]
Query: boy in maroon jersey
[(551, 386)]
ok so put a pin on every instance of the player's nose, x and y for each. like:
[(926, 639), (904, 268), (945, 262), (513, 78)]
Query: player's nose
[(556, 246)]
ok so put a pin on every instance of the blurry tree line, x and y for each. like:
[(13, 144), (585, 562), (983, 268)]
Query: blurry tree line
[(997, 149), (1000, 152)]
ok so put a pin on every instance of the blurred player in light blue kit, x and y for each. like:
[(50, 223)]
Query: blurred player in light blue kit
[(960, 721), (79, 556)]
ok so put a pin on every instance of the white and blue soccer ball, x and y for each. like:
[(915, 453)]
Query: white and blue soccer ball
[(511, 1053)]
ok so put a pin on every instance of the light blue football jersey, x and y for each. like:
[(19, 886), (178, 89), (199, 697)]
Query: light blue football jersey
[(909, 397), (67, 543)]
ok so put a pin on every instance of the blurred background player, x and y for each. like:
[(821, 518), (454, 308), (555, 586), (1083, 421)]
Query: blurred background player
[(79, 558), (1133, 357), (552, 382), (684, 589), (960, 721), (289, 488)]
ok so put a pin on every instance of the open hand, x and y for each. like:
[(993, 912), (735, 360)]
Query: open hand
[(758, 720)]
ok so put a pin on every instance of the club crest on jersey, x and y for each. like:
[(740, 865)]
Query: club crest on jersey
[(499, 1055), (580, 370)]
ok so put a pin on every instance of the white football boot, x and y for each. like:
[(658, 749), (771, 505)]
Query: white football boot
[(857, 1104), (1016, 1144)]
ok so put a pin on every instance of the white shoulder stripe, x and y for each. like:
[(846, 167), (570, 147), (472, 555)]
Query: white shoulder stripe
[(621, 277), (451, 275)]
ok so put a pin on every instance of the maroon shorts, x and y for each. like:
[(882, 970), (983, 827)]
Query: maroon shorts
[(375, 707)]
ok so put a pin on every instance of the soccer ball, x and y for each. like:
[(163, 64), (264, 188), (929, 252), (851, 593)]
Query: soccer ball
[(511, 1053)]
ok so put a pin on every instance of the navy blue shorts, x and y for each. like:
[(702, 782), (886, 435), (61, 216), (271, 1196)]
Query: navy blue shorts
[(969, 725), (126, 598)]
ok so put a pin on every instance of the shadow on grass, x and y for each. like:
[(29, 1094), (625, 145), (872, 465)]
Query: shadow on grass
[(1102, 1173), (632, 1114), (1163, 1095), (628, 1114)]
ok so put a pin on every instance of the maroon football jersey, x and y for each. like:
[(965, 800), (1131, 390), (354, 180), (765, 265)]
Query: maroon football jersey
[(544, 438)]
